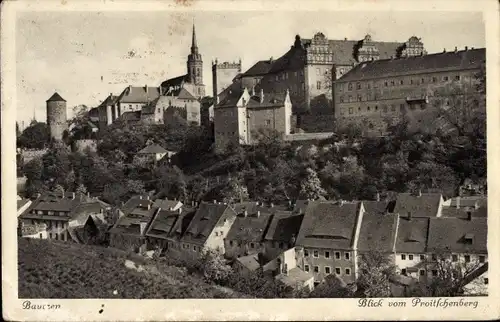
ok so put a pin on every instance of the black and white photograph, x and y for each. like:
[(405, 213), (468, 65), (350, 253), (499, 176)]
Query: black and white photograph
[(192, 153)]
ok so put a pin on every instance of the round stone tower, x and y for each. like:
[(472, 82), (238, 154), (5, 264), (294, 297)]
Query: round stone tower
[(57, 119)]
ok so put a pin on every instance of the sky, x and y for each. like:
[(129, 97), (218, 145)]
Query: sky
[(84, 56)]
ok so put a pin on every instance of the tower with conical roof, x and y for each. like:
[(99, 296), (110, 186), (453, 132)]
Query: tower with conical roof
[(57, 118), (194, 63)]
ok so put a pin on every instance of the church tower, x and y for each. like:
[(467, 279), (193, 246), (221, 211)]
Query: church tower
[(195, 63)]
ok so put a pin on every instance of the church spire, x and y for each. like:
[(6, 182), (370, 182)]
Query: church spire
[(194, 45)]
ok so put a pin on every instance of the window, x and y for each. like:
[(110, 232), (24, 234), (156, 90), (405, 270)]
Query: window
[(350, 98), (306, 268), (57, 236), (306, 253), (268, 122), (252, 245), (337, 270), (403, 271), (316, 269), (467, 258), (50, 212), (216, 234), (385, 83), (434, 257), (434, 79), (230, 243), (40, 236), (422, 272), (455, 274), (318, 85), (392, 83), (277, 77), (281, 245), (454, 258), (457, 78), (358, 86), (350, 110), (318, 71), (341, 99), (349, 87), (327, 254), (368, 85), (376, 107), (445, 78), (393, 108), (482, 258), (422, 257), (337, 255), (360, 98), (347, 271), (187, 246), (401, 82), (410, 257), (347, 255), (327, 270), (411, 81), (315, 254), (485, 281), (403, 257), (368, 108), (194, 248), (434, 272)]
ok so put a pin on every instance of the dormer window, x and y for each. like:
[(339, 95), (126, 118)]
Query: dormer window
[(468, 239)]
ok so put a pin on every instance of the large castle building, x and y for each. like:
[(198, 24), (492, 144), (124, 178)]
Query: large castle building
[(57, 118), (377, 94), (309, 67)]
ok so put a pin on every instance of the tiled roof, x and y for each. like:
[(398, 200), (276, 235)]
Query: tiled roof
[(284, 226), (234, 89), (110, 100), (163, 223), (138, 94), (294, 276), (250, 228), (261, 67), (472, 201), (460, 60), (328, 225), (232, 97), (21, 203), (423, 205), (179, 92), (135, 202), (204, 221), (129, 225), (166, 204), (463, 212), (251, 262), (377, 232), (375, 207), (65, 205), (270, 100), (56, 98), (152, 149), (412, 235), (449, 234)]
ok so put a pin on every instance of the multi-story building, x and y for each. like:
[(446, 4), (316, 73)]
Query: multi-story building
[(375, 94), (175, 105), (310, 66), (419, 204), (134, 98), (223, 75), (282, 232), (239, 117), (328, 238)]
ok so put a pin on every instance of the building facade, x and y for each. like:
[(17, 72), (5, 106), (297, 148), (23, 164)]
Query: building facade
[(376, 94), (223, 75)]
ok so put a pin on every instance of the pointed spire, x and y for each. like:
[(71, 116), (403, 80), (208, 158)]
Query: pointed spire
[(194, 45)]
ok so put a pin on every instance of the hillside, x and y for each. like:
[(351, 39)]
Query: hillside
[(51, 269)]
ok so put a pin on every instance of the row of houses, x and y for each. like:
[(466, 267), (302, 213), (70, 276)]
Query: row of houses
[(304, 243)]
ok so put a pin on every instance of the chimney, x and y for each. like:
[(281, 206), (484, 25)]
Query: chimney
[(129, 88), (180, 211), (378, 196), (455, 49), (419, 193), (261, 95), (74, 196), (409, 215), (341, 202), (272, 205), (215, 201), (245, 213), (345, 39), (161, 90), (458, 202), (146, 88), (147, 198), (469, 215), (444, 50), (143, 227), (253, 90), (149, 206), (258, 213), (466, 48), (140, 197)]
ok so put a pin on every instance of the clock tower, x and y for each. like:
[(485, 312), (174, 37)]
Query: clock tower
[(194, 63)]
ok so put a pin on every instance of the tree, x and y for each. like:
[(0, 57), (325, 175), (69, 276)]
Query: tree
[(170, 181), (333, 287), (81, 189), (310, 186), (375, 273), (214, 267), (35, 136), (57, 167), (234, 191)]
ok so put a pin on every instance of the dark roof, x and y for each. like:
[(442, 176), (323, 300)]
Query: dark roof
[(21, 203), (129, 225), (423, 205), (135, 202), (138, 94), (463, 212), (152, 149), (249, 228), (56, 98), (110, 100), (377, 232), (261, 67), (179, 92), (449, 234), (270, 100), (174, 83), (166, 203), (232, 96), (162, 224), (204, 221), (375, 207), (328, 225), (412, 235), (472, 201), (251, 262), (284, 226), (294, 276), (449, 61)]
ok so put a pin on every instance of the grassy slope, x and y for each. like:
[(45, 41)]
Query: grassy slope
[(50, 269)]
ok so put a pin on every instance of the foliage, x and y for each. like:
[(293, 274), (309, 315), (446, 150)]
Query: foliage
[(35, 136), (310, 186), (51, 269), (332, 287), (375, 272)]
